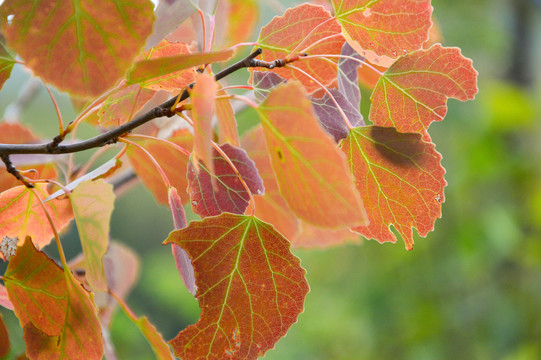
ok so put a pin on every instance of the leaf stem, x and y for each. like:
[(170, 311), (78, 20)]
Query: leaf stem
[(58, 114)]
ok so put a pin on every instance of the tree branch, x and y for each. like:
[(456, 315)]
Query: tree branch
[(111, 136)]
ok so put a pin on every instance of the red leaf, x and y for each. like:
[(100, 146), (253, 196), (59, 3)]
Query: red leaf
[(250, 287), (400, 179), (312, 173), (21, 214), (270, 207), (203, 99), (80, 47), (55, 311), (228, 194), (174, 81), (413, 92), (383, 30), (297, 30), (173, 163)]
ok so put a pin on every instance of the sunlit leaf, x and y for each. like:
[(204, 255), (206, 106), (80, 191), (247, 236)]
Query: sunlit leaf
[(174, 81), (235, 21), (228, 194), (145, 70), (383, 30), (312, 236), (270, 207), (4, 339), (21, 214), (330, 117), (203, 99), (173, 162), (311, 172), (159, 346), (121, 106), (413, 92), (400, 179), (80, 47), (6, 64), (299, 30), (42, 171), (55, 311), (263, 82), (250, 287), (92, 203)]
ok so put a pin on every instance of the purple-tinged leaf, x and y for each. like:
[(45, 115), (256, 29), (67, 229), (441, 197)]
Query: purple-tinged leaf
[(182, 260), (4, 299), (229, 194), (348, 78), (169, 15), (264, 81), (330, 117)]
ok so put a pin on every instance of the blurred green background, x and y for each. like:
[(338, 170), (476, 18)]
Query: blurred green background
[(470, 290)]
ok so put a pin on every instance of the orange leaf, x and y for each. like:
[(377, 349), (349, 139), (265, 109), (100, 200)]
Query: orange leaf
[(413, 92), (311, 172), (383, 30), (173, 163), (297, 30), (235, 21), (55, 311), (203, 99), (80, 47), (249, 286), (174, 81), (270, 207), (150, 69), (21, 214), (92, 203), (311, 236), (400, 179), (159, 346), (227, 124)]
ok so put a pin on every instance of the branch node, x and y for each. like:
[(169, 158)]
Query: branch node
[(13, 171)]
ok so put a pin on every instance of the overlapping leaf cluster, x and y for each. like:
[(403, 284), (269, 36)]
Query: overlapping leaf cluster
[(312, 173)]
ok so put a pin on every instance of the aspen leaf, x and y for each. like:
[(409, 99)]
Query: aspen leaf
[(413, 92), (56, 312), (6, 64), (80, 47), (311, 172), (300, 29), (237, 20), (270, 207), (227, 124), (383, 30), (348, 78), (4, 299), (173, 163), (400, 179), (145, 70), (263, 82), (21, 214), (169, 16), (203, 98), (228, 194), (250, 287), (155, 339), (92, 203), (122, 105), (312, 236)]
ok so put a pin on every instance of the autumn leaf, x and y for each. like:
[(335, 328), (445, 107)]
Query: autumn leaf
[(227, 124), (145, 70), (169, 16), (203, 98), (228, 194), (413, 92), (174, 81), (21, 214), (263, 82), (121, 106), (92, 203), (250, 287), (173, 163), (6, 64), (300, 29), (311, 172), (383, 30), (55, 311), (154, 338), (311, 236), (235, 21), (4, 299), (347, 77), (270, 207), (400, 179), (80, 47)]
